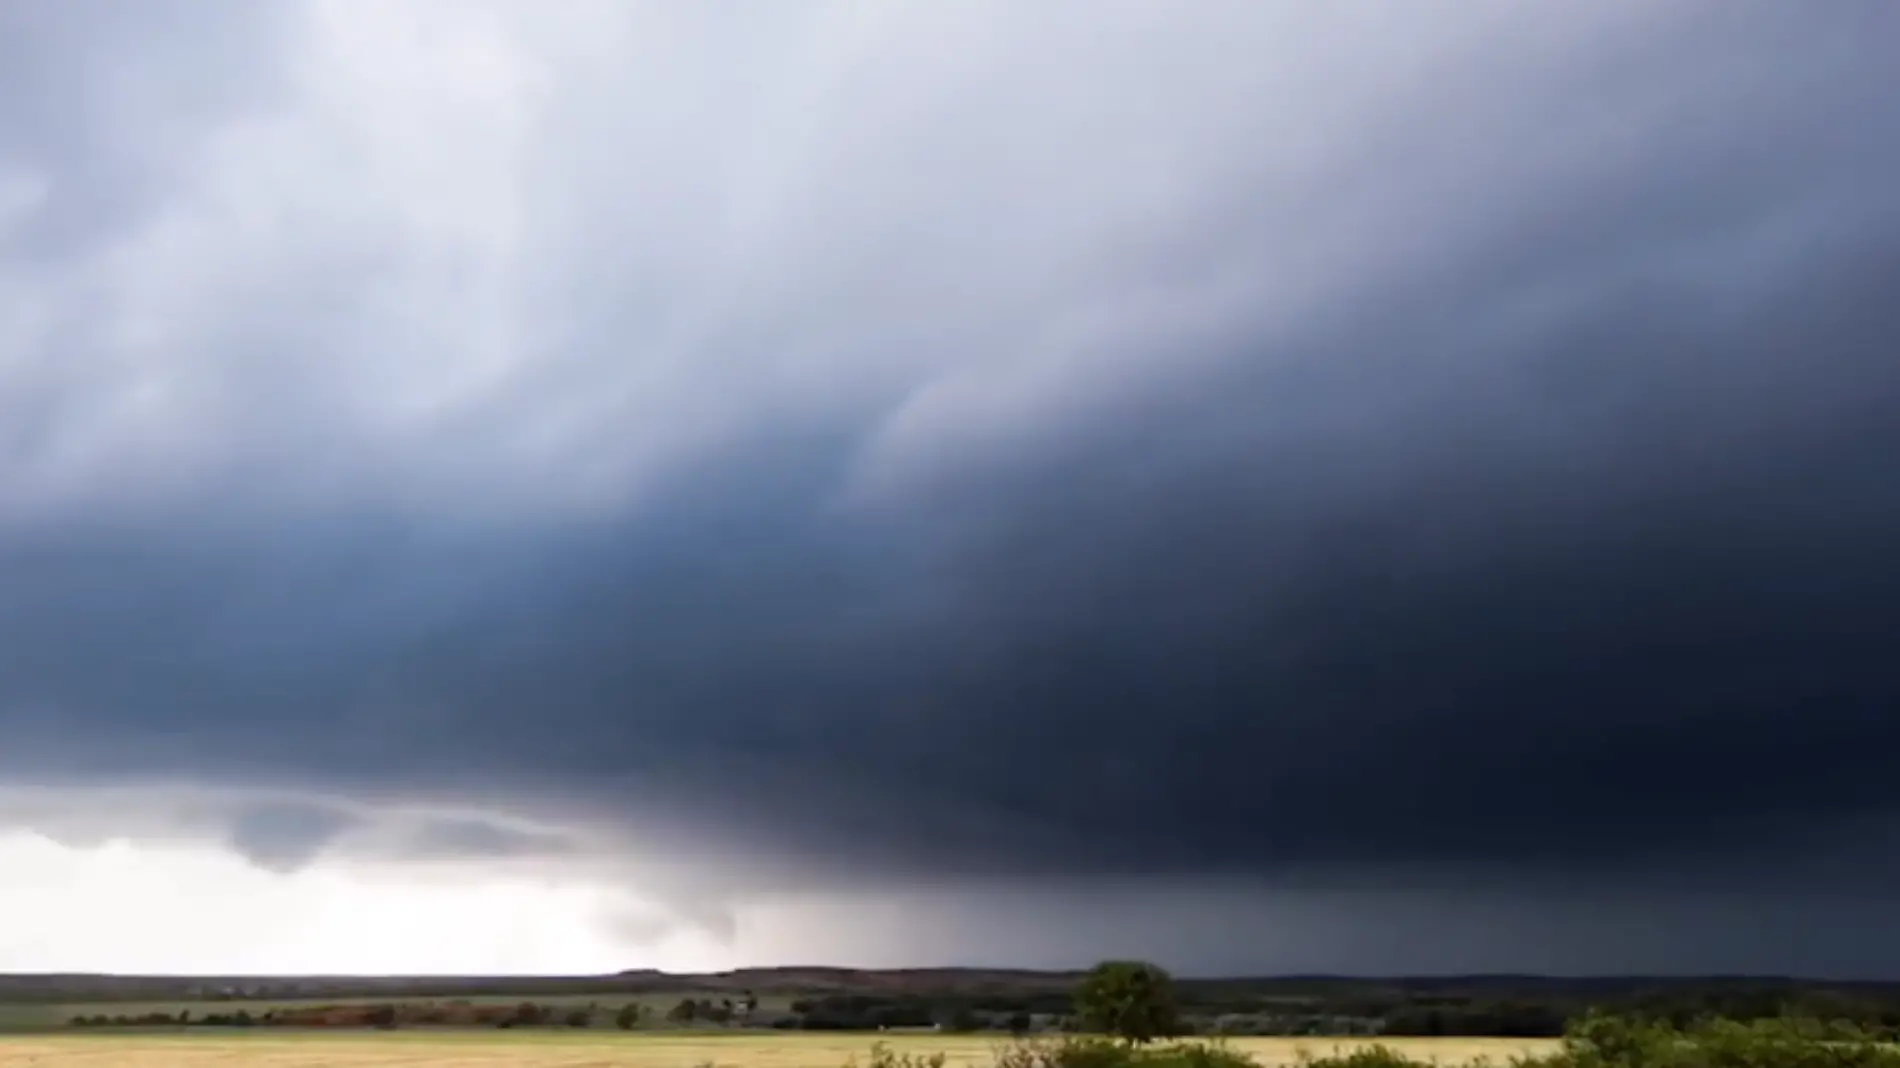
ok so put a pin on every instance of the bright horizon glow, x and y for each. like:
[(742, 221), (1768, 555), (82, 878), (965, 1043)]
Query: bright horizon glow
[(130, 908)]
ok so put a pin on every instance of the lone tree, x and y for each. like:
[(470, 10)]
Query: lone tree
[(1130, 999)]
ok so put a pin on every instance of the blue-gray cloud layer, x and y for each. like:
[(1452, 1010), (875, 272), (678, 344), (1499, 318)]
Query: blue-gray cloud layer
[(1472, 448)]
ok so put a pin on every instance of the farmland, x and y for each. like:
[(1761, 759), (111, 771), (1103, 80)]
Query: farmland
[(796, 1018), (601, 1050), (789, 1006), (17, 1017)]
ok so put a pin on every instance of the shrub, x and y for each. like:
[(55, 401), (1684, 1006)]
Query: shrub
[(883, 1056), (1373, 1056), (528, 1014), (961, 1020), (1215, 1054), (1599, 1041), (1593, 1041), (1067, 1052), (1098, 1052)]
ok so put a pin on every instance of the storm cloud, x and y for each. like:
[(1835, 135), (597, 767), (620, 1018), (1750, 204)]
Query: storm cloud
[(804, 448)]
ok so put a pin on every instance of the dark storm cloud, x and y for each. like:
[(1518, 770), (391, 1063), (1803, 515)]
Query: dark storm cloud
[(285, 836), (1527, 502)]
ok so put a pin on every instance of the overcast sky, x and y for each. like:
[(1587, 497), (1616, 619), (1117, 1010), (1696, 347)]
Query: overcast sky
[(1351, 487)]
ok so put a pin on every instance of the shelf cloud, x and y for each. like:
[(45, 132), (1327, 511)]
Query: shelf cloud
[(1333, 458)]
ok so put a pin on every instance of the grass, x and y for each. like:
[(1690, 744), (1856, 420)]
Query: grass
[(603, 1049)]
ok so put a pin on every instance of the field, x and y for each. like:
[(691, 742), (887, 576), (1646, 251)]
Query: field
[(29, 1016), (559, 1050)]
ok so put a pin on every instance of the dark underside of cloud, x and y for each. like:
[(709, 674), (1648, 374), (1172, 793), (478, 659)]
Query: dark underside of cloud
[(1570, 547), (1654, 618)]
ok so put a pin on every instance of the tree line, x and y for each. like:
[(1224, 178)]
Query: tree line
[(1478, 1006)]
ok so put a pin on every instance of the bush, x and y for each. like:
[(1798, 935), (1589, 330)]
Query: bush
[(1593, 1041), (1215, 1054), (1097, 1052), (883, 1056), (529, 1014), (961, 1020), (1373, 1056), (1599, 1041), (1066, 1052)]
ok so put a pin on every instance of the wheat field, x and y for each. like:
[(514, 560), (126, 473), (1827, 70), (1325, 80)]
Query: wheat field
[(489, 1049)]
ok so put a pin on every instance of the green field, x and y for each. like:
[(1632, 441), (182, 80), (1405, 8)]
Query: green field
[(600, 1049)]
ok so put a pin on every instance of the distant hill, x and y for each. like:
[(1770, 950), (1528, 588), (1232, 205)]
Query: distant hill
[(821, 980), (817, 980), (995, 999)]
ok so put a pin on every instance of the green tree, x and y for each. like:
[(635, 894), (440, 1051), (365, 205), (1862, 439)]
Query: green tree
[(628, 1017), (1132, 1000), (529, 1014)]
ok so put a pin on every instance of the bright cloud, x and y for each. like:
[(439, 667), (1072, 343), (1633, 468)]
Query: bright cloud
[(131, 907)]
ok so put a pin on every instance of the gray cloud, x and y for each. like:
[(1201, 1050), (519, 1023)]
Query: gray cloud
[(284, 836), (463, 836), (1252, 443), (102, 100)]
